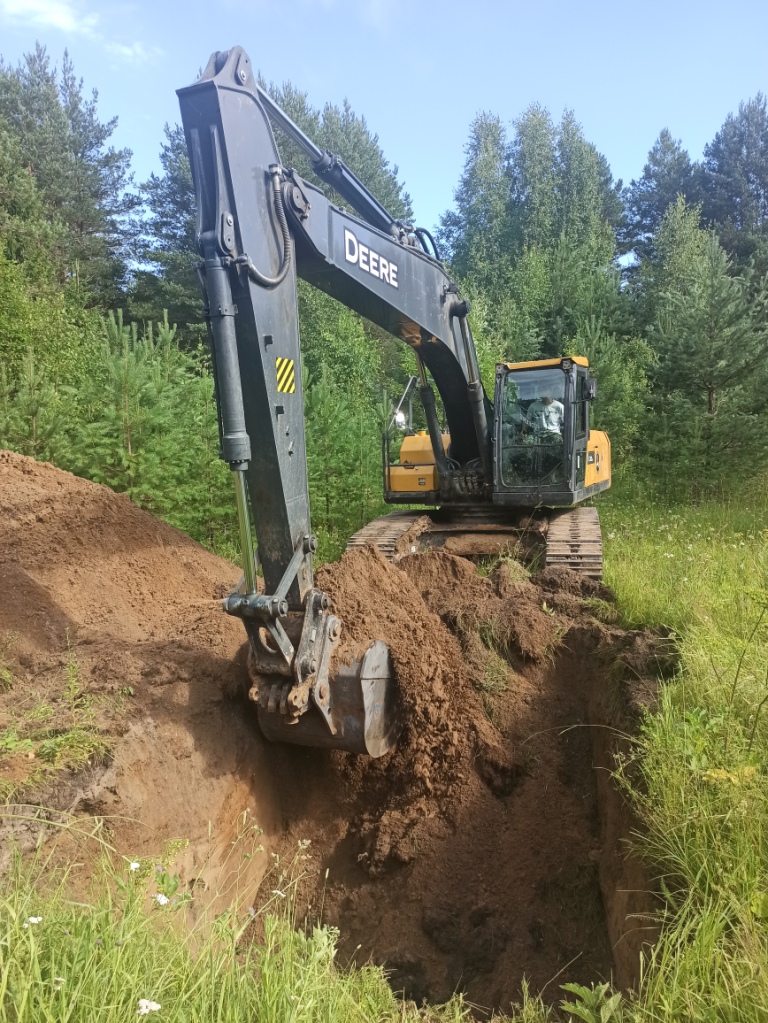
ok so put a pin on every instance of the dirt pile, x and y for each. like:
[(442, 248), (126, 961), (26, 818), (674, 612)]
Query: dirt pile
[(447, 628), (108, 620), (474, 854)]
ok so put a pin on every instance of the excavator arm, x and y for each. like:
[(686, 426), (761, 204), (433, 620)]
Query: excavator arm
[(259, 226)]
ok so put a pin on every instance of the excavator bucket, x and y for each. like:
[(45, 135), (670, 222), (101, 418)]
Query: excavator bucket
[(360, 712)]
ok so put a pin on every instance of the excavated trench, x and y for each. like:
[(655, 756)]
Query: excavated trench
[(488, 847), (491, 846)]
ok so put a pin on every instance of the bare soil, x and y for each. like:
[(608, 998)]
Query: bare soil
[(88, 578), (487, 847)]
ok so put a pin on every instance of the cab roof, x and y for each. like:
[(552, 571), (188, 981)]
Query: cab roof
[(580, 360)]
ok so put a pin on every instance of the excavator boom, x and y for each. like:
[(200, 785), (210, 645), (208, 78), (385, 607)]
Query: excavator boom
[(260, 225)]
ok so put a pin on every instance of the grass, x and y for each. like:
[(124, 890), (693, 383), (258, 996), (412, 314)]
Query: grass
[(138, 945), (495, 680), (56, 735), (6, 675), (698, 776)]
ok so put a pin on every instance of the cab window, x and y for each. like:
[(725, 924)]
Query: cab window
[(532, 425), (582, 407)]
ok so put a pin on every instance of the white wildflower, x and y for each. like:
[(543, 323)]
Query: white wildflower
[(57, 982), (146, 1006), (134, 866), (162, 900), (33, 920)]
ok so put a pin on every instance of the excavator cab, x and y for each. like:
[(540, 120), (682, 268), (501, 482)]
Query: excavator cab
[(546, 453), (546, 461)]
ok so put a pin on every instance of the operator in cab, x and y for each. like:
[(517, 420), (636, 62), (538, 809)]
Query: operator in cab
[(546, 415)]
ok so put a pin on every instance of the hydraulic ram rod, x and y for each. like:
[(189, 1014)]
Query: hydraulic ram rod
[(333, 170)]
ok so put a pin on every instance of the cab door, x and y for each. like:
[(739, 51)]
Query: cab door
[(580, 427)]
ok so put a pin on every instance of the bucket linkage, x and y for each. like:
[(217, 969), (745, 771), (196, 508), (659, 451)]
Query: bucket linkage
[(302, 695)]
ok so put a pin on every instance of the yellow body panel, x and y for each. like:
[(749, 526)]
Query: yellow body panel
[(579, 360), (416, 468), (598, 458)]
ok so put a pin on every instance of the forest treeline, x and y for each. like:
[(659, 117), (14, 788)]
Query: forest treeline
[(661, 283)]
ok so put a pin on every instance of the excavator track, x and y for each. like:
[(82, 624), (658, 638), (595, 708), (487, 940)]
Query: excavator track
[(569, 538), (385, 532), (574, 541)]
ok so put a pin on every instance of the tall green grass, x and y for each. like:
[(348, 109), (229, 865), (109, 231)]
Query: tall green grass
[(132, 941), (137, 945), (698, 776)]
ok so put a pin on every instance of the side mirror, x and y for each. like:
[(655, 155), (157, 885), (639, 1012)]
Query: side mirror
[(590, 388), (399, 419)]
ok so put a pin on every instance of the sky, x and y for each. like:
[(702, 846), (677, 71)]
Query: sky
[(420, 70)]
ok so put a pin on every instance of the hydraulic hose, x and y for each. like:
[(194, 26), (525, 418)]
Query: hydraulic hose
[(253, 272), (421, 233)]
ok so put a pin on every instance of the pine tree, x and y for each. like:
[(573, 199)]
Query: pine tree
[(733, 182), (82, 182), (711, 380), (169, 245), (667, 174), (474, 235), (32, 414), (735, 170)]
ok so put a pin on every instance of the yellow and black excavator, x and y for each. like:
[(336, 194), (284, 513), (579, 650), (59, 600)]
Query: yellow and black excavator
[(501, 470)]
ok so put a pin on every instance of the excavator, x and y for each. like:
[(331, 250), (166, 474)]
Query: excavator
[(492, 472)]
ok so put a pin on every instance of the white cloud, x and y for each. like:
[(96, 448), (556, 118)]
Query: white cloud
[(135, 53), (70, 16), (59, 14)]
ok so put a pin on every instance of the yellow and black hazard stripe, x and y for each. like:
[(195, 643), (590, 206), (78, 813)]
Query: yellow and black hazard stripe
[(286, 375)]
